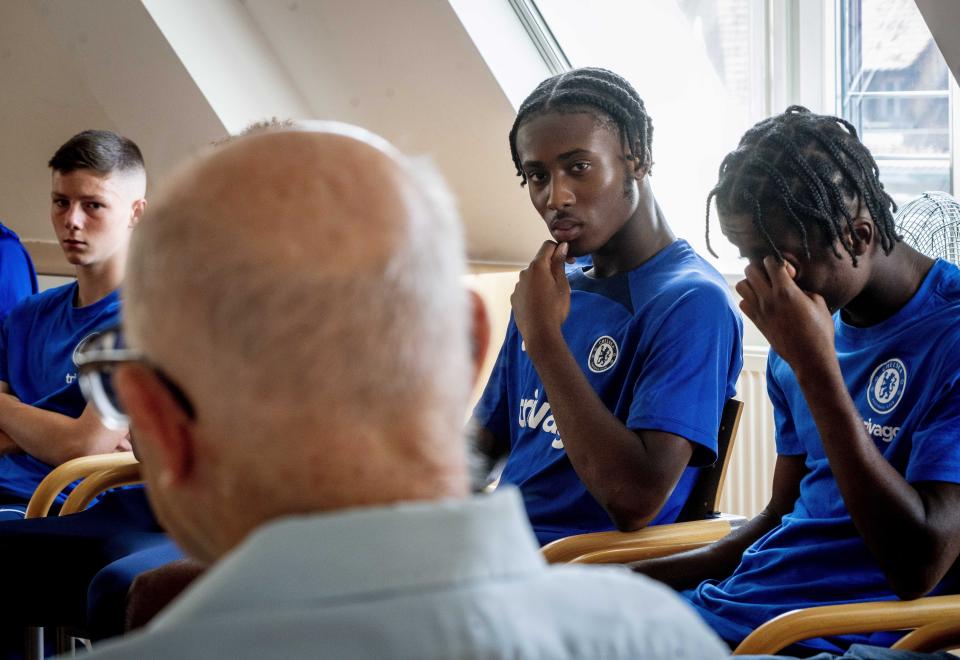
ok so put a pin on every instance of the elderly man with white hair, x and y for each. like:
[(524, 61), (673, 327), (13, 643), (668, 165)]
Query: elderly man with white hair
[(300, 355)]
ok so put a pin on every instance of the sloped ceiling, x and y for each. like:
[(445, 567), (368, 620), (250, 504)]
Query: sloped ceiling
[(409, 71), (177, 74), (68, 66), (943, 19)]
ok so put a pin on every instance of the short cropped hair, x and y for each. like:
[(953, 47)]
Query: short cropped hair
[(104, 152)]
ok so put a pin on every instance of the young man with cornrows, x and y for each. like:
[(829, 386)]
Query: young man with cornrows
[(608, 390)]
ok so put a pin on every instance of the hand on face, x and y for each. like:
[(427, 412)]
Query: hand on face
[(797, 324), (541, 299)]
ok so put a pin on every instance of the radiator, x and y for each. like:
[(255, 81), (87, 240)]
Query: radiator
[(750, 472)]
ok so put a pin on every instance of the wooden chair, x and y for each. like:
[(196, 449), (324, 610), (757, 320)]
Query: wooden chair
[(934, 620), (117, 464), (99, 473), (943, 635), (701, 523), (704, 499)]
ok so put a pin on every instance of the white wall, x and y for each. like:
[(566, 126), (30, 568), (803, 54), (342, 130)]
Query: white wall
[(69, 65), (175, 75), (51, 281)]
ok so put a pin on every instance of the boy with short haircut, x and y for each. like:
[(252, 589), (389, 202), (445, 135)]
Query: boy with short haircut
[(613, 376), (867, 403), (98, 187)]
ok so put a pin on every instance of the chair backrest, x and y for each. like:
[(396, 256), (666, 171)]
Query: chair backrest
[(704, 499), (66, 473), (126, 474)]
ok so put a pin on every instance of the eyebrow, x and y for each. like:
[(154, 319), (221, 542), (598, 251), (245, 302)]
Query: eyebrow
[(85, 198), (566, 155)]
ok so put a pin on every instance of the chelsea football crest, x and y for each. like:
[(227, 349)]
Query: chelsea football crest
[(887, 384), (603, 355)]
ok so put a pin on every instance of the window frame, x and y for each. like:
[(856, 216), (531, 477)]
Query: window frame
[(800, 49), (952, 95)]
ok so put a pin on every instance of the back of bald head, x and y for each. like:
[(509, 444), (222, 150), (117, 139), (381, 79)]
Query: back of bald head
[(306, 281)]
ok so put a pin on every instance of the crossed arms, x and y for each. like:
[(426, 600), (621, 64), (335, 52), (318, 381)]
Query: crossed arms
[(52, 437)]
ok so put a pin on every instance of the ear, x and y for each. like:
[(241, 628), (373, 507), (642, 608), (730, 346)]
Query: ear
[(139, 206), (163, 430), (861, 234), (479, 332), (636, 170)]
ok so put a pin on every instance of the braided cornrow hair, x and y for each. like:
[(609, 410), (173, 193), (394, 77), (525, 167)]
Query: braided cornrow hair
[(811, 168), (585, 90)]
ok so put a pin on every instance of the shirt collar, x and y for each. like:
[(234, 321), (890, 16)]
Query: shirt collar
[(351, 553)]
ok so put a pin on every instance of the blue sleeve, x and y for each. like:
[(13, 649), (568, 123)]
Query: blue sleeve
[(4, 376), (17, 277), (690, 370), (492, 411), (788, 443), (935, 447)]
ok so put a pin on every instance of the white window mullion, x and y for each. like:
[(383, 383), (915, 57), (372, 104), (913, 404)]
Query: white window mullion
[(954, 128), (779, 55)]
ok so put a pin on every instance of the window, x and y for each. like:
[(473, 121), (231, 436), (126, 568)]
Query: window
[(699, 67), (894, 86), (709, 69)]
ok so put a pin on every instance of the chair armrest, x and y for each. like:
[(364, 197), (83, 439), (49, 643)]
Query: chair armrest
[(65, 474), (932, 637), (654, 541), (96, 483), (799, 625)]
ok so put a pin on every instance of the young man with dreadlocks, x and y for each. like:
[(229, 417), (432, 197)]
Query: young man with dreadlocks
[(864, 376), (612, 376)]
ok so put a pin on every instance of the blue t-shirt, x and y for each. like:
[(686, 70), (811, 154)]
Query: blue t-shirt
[(903, 375), (38, 340), (17, 277), (661, 346)]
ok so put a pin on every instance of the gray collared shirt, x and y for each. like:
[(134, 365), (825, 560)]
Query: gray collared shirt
[(450, 579)]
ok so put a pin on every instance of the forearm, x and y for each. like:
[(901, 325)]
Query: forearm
[(7, 445), (51, 437), (712, 562), (888, 512), (615, 463)]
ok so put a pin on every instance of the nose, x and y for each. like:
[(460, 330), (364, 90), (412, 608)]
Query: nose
[(560, 194), (73, 218)]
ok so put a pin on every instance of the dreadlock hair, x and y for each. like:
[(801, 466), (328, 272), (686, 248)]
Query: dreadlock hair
[(811, 168), (585, 90)]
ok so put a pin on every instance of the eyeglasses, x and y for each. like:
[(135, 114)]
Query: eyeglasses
[(97, 359)]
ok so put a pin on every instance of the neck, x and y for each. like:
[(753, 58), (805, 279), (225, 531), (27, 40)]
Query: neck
[(96, 281), (895, 280), (643, 236), (233, 526)]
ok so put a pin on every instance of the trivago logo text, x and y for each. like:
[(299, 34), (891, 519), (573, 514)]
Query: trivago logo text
[(885, 433)]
